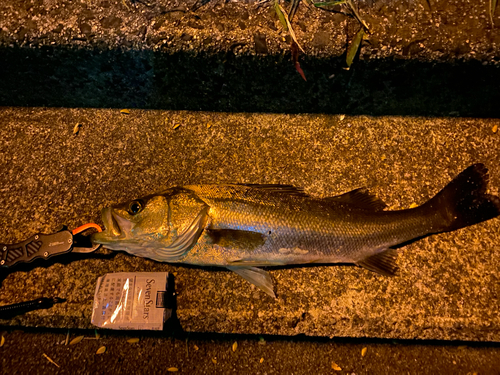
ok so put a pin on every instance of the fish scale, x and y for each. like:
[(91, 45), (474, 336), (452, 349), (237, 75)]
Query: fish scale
[(323, 229), (243, 227)]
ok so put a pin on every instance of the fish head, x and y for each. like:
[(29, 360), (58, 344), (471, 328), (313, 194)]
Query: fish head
[(162, 227), (139, 223)]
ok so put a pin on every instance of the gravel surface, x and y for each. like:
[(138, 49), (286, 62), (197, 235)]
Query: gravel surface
[(444, 31)]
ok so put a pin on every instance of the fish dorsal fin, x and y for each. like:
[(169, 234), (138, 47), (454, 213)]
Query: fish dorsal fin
[(184, 241), (276, 188), (383, 263), (257, 277), (359, 198)]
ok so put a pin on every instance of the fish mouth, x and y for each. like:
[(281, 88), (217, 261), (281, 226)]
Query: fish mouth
[(112, 227), (111, 222)]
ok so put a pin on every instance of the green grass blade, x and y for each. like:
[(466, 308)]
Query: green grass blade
[(354, 47), (328, 3), (493, 6), (280, 14)]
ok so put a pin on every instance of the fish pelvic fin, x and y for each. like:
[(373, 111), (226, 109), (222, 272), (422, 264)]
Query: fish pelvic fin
[(383, 263), (257, 277), (464, 201)]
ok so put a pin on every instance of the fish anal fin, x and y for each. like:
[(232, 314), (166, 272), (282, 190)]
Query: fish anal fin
[(360, 198), (383, 263), (236, 239), (257, 277)]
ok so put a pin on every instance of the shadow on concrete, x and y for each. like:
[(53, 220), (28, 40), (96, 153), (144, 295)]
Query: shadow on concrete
[(226, 337), (69, 77), (46, 263)]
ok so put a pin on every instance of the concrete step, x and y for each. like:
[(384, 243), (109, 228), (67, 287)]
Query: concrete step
[(203, 353), (448, 285), (419, 59)]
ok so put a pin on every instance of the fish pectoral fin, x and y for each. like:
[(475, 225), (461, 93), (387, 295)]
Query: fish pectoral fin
[(184, 241), (257, 277), (383, 263)]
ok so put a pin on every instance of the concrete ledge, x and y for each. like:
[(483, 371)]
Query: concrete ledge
[(448, 288), (235, 57)]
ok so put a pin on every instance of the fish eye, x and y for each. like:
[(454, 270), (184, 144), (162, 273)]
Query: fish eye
[(135, 207)]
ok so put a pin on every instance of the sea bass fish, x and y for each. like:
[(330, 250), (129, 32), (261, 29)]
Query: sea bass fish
[(243, 227)]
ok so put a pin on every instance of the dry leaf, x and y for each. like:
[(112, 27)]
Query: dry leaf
[(295, 58), (491, 10), (50, 359), (101, 350), (67, 338), (336, 367), (125, 111), (341, 117), (76, 340), (97, 335), (357, 16), (76, 129), (172, 369), (214, 360), (495, 129), (261, 360), (292, 34), (209, 126), (363, 351), (196, 348), (176, 126), (2, 341), (235, 346), (413, 205), (133, 341)]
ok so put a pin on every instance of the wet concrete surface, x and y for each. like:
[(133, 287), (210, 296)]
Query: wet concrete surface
[(447, 288)]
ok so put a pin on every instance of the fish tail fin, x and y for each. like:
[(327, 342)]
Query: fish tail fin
[(463, 201)]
